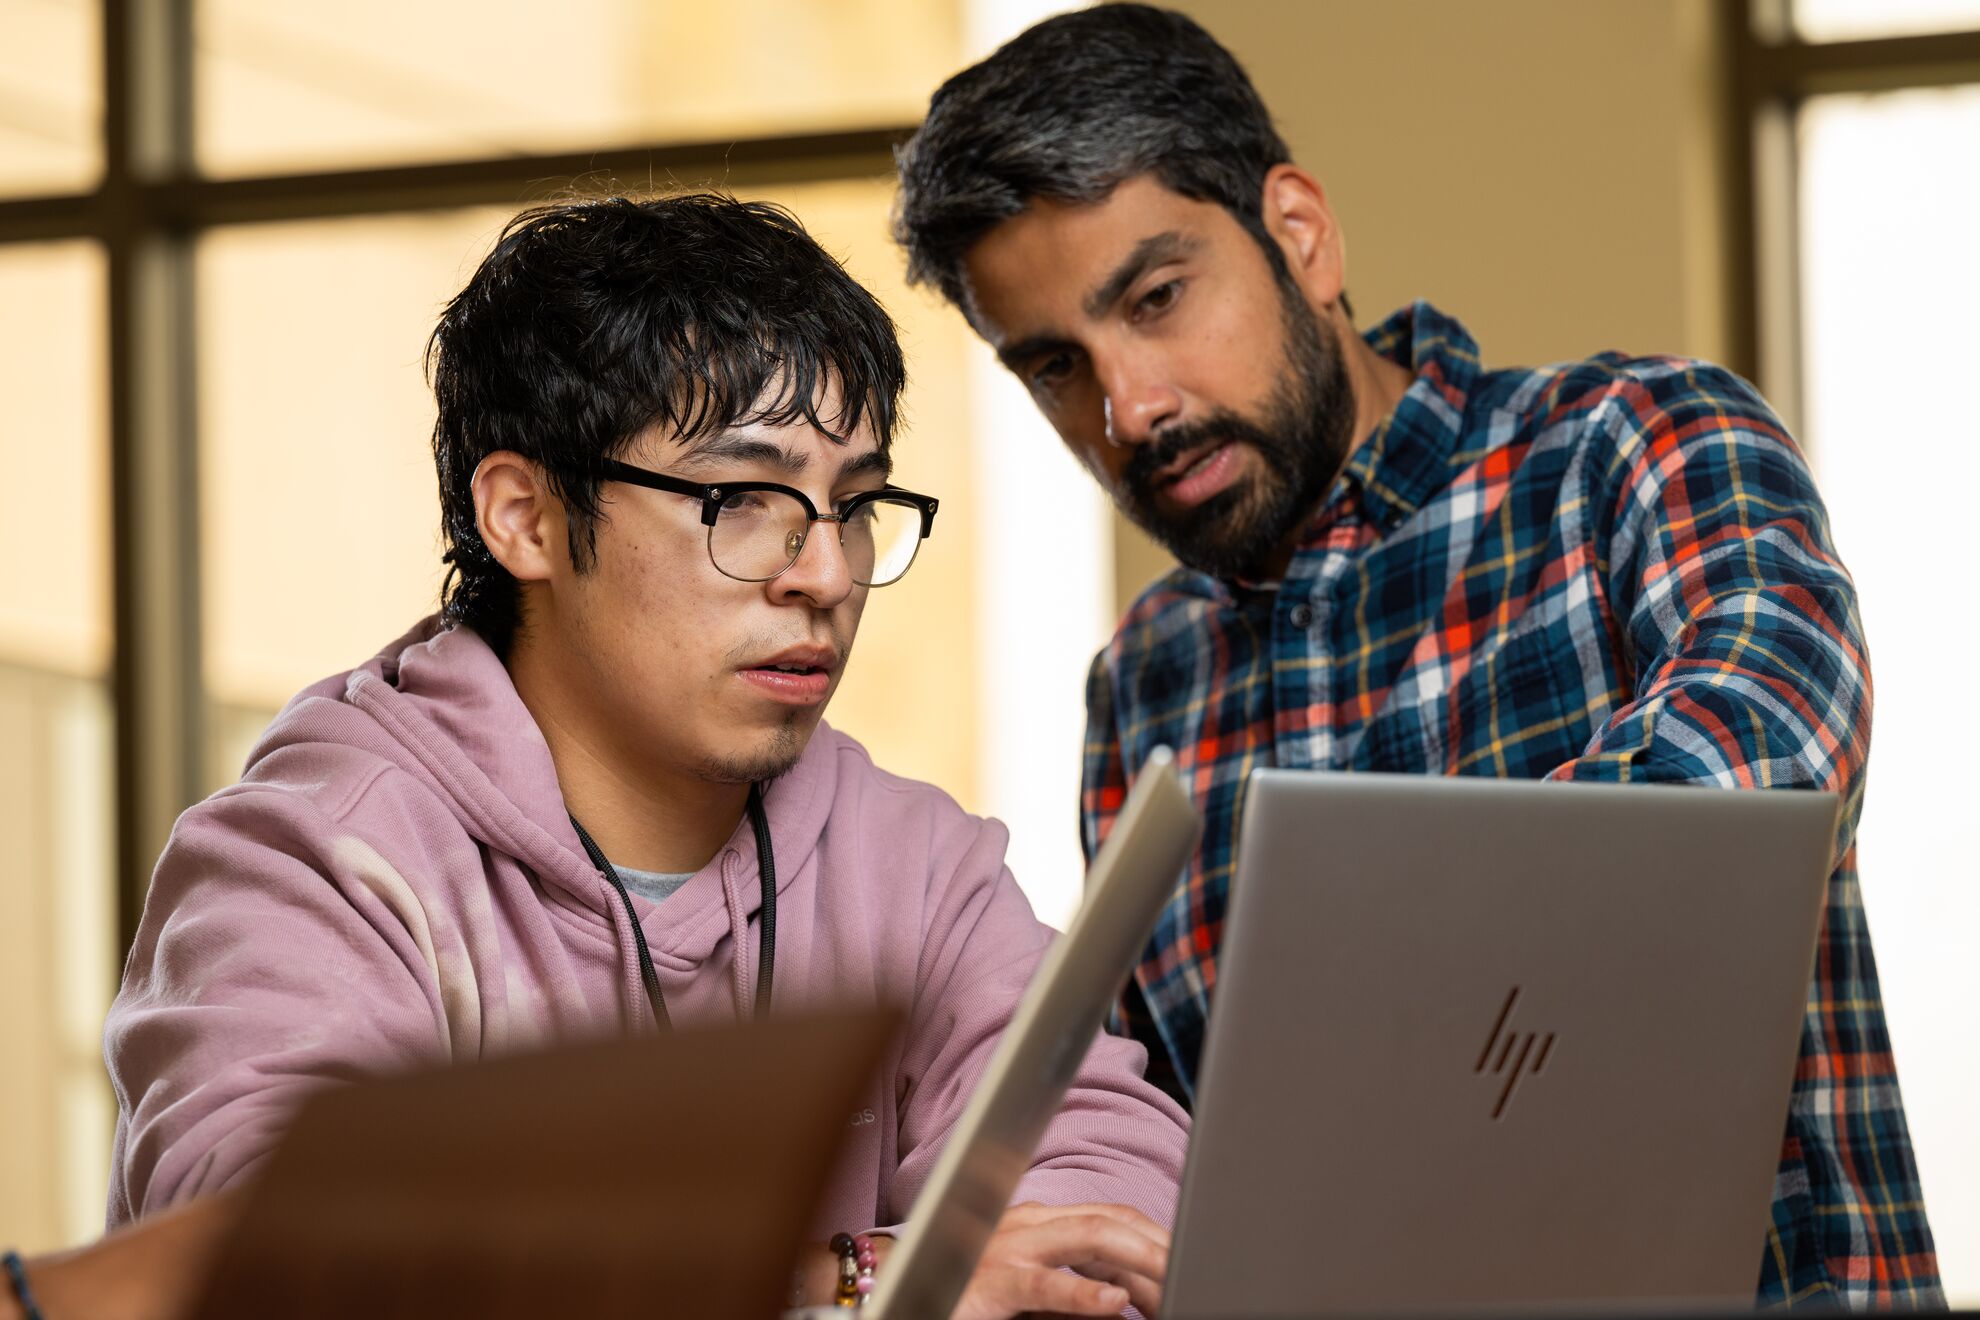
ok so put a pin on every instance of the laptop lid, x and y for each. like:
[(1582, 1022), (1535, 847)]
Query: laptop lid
[(1048, 1037), (1484, 1042), (667, 1175)]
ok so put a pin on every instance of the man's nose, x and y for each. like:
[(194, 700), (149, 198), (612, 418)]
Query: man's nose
[(820, 573), (1138, 401)]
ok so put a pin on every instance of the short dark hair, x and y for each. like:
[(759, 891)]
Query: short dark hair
[(1070, 109), (593, 320)]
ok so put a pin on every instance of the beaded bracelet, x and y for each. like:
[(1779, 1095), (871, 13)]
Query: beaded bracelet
[(856, 1261), (17, 1276)]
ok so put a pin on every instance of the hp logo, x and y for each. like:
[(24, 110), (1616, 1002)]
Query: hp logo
[(1512, 1055)]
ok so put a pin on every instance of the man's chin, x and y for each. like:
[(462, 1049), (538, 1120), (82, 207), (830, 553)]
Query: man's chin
[(1220, 537), (768, 756)]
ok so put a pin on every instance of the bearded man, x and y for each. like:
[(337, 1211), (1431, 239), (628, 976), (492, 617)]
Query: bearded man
[(1393, 559)]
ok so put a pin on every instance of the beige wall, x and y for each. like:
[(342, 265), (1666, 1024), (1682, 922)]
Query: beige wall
[(1544, 170)]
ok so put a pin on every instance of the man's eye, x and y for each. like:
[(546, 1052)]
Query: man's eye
[(1158, 299), (1051, 371)]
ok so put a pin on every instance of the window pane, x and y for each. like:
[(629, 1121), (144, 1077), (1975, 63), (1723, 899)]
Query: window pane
[(51, 102), (319, 518), (57, 943), (1891, 276), (1856, 20), (292, 87)]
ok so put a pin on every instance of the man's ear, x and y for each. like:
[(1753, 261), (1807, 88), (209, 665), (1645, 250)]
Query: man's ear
[(1299, 220), (519, 520)]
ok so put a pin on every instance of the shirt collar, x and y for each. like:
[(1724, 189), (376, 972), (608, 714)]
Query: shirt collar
[(1407, 457)]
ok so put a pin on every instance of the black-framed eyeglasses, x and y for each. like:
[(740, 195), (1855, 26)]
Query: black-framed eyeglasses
[(757, 529)]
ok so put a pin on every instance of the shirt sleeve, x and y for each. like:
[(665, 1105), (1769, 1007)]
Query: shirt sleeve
[(1739, 622), (1750, 671), (1115, 1139), (1103, 782), (268, 963)]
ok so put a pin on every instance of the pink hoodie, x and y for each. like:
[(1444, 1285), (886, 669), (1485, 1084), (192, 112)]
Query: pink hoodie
[(395, 882)]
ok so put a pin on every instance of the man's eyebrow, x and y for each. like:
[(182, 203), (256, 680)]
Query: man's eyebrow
[(1014, 356), (872, 463), (746, 449), (789, 462), (1149, 252)]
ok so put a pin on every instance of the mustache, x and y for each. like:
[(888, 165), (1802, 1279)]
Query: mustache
[(1221, 427), (743, 652)]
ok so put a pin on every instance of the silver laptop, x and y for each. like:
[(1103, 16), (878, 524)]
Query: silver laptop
[(1054, 1026), (1483, 1043)]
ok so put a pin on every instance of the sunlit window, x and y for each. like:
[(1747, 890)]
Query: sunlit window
[(374, 82), (51, 102), (1859, 20), (58, 937), (319, 513)]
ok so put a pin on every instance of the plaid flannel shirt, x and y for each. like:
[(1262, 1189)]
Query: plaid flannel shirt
[(1615, 570)]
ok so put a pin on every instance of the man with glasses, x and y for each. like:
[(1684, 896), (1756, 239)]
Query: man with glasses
[(1395, 559), (579, 799)]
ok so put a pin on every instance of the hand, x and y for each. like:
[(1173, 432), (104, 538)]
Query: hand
[(146, 1271), (1119, 1257)]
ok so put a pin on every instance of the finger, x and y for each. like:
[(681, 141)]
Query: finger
[(1031, 1214), (1030, 1289), (1130, 1217), (1144, 1292), (1024, 1214), (1085, 1243)]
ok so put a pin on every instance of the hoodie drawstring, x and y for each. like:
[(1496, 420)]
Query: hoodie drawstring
[(738, 930), (766, 870)]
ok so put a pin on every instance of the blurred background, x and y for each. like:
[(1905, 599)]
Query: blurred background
[(226, 227)]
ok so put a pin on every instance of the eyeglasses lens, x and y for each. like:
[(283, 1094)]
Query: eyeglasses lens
[(759, 533)]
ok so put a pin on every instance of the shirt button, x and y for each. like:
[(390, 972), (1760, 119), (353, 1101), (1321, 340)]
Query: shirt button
[(1302, 615)]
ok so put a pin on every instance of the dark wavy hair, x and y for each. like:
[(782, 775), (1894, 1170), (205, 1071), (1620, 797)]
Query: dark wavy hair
[(594, 320), (1071, 108)]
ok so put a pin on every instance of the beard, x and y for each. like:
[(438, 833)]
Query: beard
[(1303, 436), (771, 760)]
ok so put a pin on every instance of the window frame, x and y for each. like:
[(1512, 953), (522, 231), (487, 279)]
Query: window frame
[(1771, 73)]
